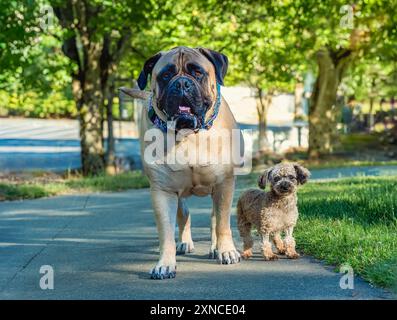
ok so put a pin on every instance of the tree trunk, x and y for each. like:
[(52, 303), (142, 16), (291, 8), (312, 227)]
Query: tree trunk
[(323, 112), (96, 56), (92, 151), (111, 151), (262, 107), (298, 110), (372, 96)]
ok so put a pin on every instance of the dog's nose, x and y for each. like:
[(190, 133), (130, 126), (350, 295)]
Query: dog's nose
[(284, 185), (183, 84)]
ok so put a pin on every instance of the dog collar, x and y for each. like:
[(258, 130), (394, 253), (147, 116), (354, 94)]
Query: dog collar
[(162, 125)]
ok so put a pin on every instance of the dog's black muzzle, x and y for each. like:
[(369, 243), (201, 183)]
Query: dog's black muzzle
[(285, 187), (183, 103)]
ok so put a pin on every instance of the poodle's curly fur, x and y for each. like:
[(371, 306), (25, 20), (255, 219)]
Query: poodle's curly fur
[(273, 212)]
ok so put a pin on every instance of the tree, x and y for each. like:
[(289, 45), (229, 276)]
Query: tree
[(337, 34), (33, 71), (96, 35), (262, 53), (18, 25)]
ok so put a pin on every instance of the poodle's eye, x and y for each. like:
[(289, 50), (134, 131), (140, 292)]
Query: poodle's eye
[(276, 179), (292, 177)]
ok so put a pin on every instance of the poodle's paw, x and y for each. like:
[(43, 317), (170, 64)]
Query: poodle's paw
[(270, 257), (292, 255), (246, 254)]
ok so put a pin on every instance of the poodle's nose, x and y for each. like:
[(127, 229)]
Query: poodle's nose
[(284, 186)]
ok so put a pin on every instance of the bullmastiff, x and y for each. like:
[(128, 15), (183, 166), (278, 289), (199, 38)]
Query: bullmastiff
[(185, 98)]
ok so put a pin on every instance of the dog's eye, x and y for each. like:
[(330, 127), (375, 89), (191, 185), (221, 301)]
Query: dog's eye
[(292, 177), (197, 74), (166, 75), (276, 179)]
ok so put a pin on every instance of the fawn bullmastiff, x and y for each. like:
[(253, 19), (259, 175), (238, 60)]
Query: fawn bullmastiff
[(185, 102)]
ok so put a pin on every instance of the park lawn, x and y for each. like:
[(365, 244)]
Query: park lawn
[(352, 221), (33, 190), (340, 163)]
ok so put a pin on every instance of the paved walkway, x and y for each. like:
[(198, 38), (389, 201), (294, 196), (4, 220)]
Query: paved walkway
[(335, 173), (101, 246)]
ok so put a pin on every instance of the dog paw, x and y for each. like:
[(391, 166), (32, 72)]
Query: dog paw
[(246, 254), (184, 247), (293, 255), (213, 254), (229, 257), (270, 257), (163, 272)]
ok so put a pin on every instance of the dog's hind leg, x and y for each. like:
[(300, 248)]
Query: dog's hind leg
[(244, 227), (213, 251), (278, 243), (185, 242)]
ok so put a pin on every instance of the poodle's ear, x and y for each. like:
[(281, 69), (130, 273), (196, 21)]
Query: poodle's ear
[(264, 178), (302, 174), (147, 70)]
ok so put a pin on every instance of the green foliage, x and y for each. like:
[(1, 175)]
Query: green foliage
[(270, 44), (39, 189), (32, 104), (15, 192), (130, 180), (18, 27)]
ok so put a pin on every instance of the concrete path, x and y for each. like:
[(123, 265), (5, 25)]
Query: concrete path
[(344, 172), (101, 246)]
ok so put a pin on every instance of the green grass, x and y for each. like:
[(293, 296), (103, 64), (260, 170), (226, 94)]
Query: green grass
[(359, 141), (32, 190), (351, 221), (339, 163)]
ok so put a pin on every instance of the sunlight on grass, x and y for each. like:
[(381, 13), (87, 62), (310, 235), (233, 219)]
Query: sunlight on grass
[(129, 180)]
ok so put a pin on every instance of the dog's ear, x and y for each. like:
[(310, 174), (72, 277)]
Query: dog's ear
[(264, 178), (147, 70), (219, 60), (302, 174)]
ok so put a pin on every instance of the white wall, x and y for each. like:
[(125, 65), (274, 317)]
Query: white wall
[(280, 116)]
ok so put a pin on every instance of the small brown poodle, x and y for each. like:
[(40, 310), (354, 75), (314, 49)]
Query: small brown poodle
[(273, 212)]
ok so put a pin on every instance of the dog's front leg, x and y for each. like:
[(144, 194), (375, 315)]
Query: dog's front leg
[(165, 206), (289, 243), (267, 246), (222, 197)]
